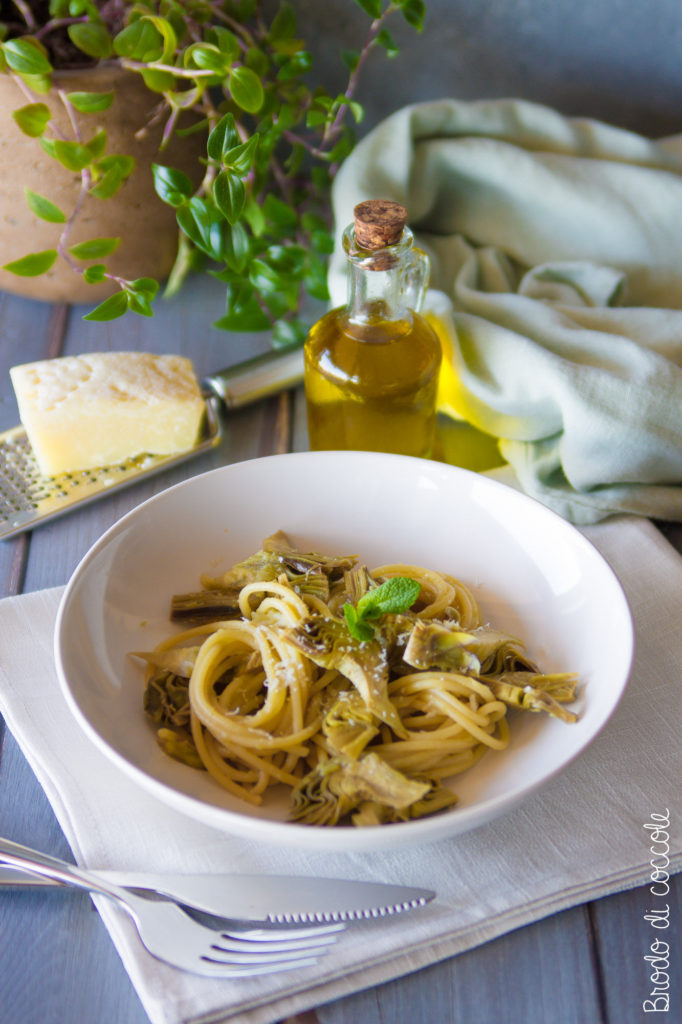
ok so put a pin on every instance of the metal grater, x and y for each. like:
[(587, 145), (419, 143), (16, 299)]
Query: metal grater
[(29, 499)]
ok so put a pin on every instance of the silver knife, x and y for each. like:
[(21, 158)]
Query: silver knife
[(279, 899)]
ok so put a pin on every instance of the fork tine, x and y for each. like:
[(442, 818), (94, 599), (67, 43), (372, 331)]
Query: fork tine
[(279, 933), (225, 955), (216, 969), (258, 948)]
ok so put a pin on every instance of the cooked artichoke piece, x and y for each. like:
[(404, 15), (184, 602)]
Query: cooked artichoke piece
[(166, 699), (305, 562), (178, 660), (434, 646), (180, 747), (327, 642), (484, 651), (535, 692), (349, 725), (357, 582), (333, 789), (205, 606), (373, 813)]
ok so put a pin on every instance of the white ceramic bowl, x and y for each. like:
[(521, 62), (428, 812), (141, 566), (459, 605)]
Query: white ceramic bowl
[(533, 574)]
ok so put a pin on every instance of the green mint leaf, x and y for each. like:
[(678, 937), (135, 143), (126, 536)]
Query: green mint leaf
[(392, 597), (111, 309), (356, 627), (33, 265), (43, 208), (94, 40), (32, 119), (246, 89), (90, 102), (26, 57)]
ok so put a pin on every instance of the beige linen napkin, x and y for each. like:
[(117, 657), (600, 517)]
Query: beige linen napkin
[(579, 838)]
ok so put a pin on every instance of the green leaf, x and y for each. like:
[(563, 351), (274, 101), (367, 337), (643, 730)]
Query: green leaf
[(246, 89), (157, 81), (145, 286), (92, 39), (95, 248), (351, 58), (288, 333), (38, 83), (371, 7), (90, 102), (243, 311), (254, 216), (72, 155), (240, 159), (202, 225), (139, 41), (97, 144), (413, 12), (385, 39), (113, 171), (236, 247), (112, 308), (356, 627), (33, 265), (279, 213), (32, 119), (44, 208), (95, 274), (138, 302), (207, 58), (26, 56), (167, 33), (171, 185), (284, 25), (394, 596), (223, 138), (226, 41), (316, 279), (229, 194)]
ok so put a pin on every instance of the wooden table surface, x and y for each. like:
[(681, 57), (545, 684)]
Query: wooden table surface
[(57, 963)]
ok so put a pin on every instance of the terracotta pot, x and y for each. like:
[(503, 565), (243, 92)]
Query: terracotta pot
[(146, 226)]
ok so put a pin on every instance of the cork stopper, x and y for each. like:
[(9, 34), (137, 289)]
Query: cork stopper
[(378, 223)]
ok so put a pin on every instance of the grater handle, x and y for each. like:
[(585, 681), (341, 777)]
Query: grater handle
[(257, 378)]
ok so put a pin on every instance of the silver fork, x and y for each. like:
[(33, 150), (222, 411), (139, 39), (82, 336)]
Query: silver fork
[(170, 935)]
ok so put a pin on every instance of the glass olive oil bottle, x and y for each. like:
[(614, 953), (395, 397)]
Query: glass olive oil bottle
[(371, 367)]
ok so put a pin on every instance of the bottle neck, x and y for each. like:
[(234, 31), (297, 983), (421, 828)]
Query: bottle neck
[(378, 283)]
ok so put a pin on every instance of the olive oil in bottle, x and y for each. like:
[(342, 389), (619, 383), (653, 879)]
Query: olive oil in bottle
[(371, 367)]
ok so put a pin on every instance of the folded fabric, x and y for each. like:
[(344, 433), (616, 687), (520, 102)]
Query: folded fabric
[(579, 838), (556, 256)]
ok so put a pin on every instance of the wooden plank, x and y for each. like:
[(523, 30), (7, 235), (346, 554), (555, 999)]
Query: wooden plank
[(58, 962), (535, 975), (624, 937)]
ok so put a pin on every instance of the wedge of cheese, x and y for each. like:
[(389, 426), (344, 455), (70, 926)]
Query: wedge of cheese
[(80, 412)]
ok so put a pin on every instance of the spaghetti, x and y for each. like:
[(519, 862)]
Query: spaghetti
[(271, 687)]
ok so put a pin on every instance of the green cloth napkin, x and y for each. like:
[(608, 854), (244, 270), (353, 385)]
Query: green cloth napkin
[(556, 249)]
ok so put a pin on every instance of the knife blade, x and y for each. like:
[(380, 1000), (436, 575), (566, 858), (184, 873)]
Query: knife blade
[(279, 899)]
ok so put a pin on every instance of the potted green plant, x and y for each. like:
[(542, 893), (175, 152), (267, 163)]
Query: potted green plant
[(244, 146)]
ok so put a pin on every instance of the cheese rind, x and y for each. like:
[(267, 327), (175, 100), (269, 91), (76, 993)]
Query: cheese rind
[(81, 412)]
